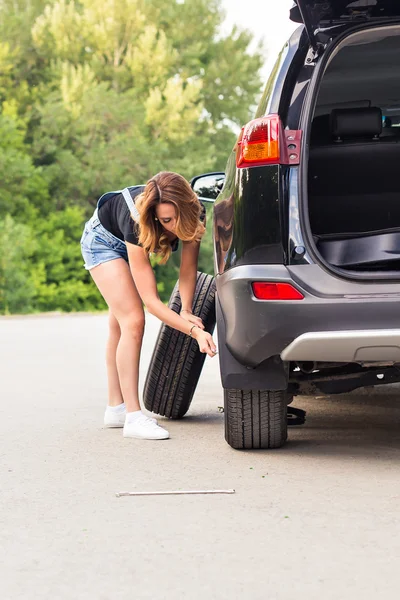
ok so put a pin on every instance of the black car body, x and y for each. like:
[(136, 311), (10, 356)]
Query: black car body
[(307, 225)]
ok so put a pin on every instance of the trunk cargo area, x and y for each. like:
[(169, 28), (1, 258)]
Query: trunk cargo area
[(354, 155)]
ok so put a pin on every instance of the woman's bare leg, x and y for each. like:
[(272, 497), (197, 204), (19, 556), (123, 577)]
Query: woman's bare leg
[(114, 389), (117, 287)]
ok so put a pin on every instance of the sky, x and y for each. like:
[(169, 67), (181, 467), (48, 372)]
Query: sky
[(268, 20)]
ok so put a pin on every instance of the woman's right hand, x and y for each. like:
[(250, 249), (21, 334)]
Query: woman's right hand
[(205, 341)]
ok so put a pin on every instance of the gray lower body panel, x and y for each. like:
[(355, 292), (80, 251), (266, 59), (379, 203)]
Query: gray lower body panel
[(256, 330)]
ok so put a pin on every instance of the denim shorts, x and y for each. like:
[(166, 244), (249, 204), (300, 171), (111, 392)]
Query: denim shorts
[(99, 245)]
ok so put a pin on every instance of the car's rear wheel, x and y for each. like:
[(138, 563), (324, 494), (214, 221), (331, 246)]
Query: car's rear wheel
[(256, 418), (177, 362)]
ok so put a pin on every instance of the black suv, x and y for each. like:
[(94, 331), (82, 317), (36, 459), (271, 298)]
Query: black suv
[(307, 225)]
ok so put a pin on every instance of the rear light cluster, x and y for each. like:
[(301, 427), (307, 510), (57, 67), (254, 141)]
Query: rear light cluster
[(264, 290), (264, 141)]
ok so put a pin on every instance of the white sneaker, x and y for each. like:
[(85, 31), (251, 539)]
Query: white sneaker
[(114, 419), (117, 419), (145, 428)]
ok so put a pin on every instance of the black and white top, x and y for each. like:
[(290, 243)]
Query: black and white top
[(115, 215)]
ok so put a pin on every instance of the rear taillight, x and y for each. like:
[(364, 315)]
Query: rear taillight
[(275, 291), (263, 141)]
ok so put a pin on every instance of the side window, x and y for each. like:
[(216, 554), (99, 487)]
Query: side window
[(264, 102)]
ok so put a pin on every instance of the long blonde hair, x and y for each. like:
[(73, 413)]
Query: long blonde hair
[(172, 188)]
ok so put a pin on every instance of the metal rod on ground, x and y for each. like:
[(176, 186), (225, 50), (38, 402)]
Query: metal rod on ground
[(174, 493)]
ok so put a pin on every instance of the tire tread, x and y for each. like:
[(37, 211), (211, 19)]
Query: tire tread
[(255, 419), (177, 362)]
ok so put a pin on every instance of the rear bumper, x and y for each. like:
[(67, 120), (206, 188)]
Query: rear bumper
[(364, 346), (338, 321)]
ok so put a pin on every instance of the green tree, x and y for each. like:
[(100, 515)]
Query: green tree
[(17, 278), (64, 285), (133, 93), (96, 95), (23, 187)]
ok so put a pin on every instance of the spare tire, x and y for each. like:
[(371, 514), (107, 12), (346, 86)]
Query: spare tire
[(177, 362)]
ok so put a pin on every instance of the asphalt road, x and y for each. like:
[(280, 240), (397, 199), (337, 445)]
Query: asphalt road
[(318, 519)]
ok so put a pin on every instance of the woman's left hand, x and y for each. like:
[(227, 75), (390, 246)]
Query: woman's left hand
[(188, 316)]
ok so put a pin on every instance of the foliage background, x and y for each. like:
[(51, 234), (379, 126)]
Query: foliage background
[(96, 95)]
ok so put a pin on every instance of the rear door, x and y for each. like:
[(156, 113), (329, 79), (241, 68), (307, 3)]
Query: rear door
[(317, 14), (320, 13)]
